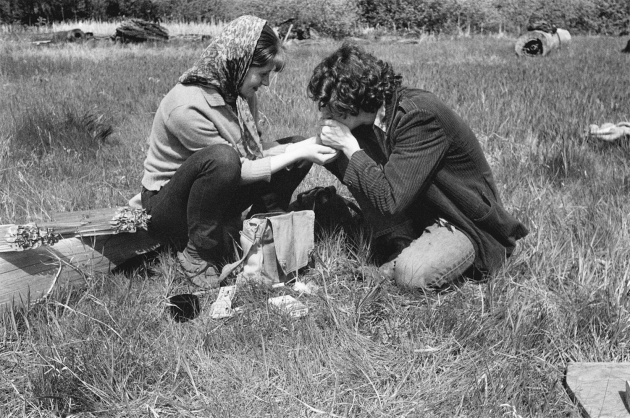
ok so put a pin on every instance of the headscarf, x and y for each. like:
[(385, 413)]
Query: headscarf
[(223, 65)]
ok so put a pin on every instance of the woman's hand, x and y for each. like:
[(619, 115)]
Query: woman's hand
[(337, 135), (311, 151), (312, 140)]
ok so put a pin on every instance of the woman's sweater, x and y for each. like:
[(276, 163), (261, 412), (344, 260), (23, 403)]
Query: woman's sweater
[(189, 118)]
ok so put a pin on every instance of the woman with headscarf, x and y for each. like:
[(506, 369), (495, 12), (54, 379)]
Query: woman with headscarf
[(205, 164)]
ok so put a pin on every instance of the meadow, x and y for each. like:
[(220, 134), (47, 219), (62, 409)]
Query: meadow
[(73, 129)]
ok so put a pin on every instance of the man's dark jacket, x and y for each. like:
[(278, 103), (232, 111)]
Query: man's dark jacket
[(428, 164)]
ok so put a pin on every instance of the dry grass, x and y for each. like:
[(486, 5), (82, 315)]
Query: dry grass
[(99, 28), (497, 349)]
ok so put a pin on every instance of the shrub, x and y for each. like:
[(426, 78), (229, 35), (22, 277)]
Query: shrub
[(580, 16), (336, 18)]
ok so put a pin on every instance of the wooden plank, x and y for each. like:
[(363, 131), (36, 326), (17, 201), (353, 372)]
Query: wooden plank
[(600, 388), (89, 215), (29, 275), (92, 222)]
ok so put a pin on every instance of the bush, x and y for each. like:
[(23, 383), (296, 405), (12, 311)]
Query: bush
[(579, 16), (336, 18)]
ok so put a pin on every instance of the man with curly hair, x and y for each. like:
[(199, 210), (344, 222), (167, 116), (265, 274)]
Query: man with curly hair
[(417, 171)]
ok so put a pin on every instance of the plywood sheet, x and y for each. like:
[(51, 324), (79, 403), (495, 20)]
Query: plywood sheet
[(28, 275), (600, 388)]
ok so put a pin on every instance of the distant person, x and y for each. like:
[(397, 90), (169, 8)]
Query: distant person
[(417, 171), (206, 164)]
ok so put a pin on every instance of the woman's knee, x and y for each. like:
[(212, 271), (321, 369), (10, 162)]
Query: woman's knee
[(291, 139), (220, 160)]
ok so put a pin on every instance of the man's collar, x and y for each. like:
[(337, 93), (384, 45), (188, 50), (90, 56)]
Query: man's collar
[(379, 121), (385, 115)]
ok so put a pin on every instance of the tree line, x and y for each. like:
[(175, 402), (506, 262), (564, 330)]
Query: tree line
[(343, 17)]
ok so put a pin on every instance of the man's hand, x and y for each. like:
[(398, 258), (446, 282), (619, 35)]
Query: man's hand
[(337, 135)]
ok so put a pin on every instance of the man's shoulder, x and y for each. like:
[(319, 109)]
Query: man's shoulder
[(418, 99)]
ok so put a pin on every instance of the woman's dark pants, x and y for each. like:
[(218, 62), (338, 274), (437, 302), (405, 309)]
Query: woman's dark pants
[(204, 200)]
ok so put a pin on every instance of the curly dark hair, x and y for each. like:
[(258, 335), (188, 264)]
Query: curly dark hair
[(351, 80)]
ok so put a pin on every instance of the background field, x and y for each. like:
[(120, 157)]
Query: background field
[(73, 127), (340, 18)]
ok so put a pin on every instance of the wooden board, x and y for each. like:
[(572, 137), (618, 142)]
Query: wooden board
[(28, 275), (599, 388)]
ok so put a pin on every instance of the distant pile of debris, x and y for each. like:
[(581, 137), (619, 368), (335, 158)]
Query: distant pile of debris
[(138, 31), (541, 38), (72, 35), (542, 25), (295, 29), (131, 31)]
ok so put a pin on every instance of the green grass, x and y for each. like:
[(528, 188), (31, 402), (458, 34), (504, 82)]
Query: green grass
[(80, 114), (104, 29)]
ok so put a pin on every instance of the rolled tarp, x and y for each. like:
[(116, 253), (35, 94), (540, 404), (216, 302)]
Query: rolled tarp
[(564, 37), (537, 43)]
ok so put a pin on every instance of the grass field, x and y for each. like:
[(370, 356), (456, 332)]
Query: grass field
[(73, 127), (104, 28)]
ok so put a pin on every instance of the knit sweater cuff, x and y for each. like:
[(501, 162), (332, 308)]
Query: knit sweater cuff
[(255, 170)]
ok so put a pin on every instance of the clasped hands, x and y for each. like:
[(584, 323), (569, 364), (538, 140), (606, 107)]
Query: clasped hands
[(334, 137), (311, 149), (338, 136)]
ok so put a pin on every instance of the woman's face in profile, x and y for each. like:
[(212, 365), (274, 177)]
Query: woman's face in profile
[(254, 79)]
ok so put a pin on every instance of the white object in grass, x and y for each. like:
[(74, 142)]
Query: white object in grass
[(222, 307), (289, 305)]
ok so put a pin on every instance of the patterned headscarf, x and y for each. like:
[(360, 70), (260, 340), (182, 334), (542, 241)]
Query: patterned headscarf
[(223, 65)]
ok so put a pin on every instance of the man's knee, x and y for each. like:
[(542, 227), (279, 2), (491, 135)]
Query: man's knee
[(434, 260), (411, 271)]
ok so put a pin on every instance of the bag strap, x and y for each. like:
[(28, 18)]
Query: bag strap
[(258, 234), (229, 268)]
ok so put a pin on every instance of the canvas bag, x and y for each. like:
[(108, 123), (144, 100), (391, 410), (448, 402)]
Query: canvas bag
[(275, 246)]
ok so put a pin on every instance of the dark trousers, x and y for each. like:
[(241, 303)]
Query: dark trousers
[(204, 200)]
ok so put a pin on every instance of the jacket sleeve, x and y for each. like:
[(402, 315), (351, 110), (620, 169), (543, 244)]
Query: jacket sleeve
[(418, 146)]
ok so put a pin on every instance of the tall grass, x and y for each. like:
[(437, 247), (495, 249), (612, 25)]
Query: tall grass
[(108, 28), (79, 116)]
